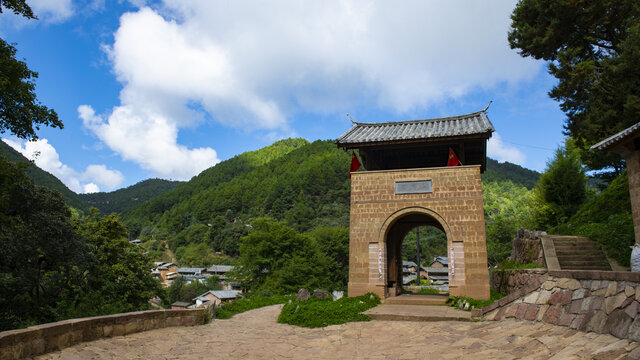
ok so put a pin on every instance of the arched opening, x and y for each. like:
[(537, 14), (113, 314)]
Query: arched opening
[(417, 260)]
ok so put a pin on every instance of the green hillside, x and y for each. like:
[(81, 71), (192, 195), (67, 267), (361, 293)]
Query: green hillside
[(43, 178), (123, 200), (507, 171)]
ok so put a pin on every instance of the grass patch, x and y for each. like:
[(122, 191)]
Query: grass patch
[(315, 312), (515, 265), (226, 311), (427, 291), (455, 301)]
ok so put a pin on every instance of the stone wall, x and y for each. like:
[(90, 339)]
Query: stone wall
[(40, 339), (527, 247), (455, 202), (597, 301), (508, 281)]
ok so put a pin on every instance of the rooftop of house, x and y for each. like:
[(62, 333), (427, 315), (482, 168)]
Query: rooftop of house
[(181, 304), (475, 124), (220, 268), (615, 139), (188, 270), (441, 259)]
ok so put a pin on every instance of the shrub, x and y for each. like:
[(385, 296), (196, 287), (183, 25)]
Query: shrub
[(226, 311), (315, 312)]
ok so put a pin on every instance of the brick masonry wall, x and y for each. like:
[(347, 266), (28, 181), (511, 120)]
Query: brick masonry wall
[(456, 203), (40, 339), (601, 302)]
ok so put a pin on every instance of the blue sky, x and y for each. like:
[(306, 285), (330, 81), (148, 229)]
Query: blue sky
[(169, 88)]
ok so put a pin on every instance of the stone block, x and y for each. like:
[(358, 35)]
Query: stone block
[(632, 309), (118, 330), (575, 307), (561, 297), (634, 330), (571, 284), (576, 322), (612, 288), (566, 319), (541, 312), (108, 330), (586, 305), (521, 309), (491, 315), (511, 311), (628, 290), (613, 302), (617, 324), (531, 312), (553, 314), (543, 298), (500, 314), (599, 292), (597, 322), (549, 284), (637, 292), (532, 298), (578, 294), (597, 303), (595, 285)]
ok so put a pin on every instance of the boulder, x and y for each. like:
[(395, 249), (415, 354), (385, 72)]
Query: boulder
[(303, 295), (321, 294), (337, 295)]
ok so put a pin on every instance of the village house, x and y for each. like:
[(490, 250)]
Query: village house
[(216, 296)]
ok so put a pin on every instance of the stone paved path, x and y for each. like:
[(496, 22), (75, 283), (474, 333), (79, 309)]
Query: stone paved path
[(256, 335)]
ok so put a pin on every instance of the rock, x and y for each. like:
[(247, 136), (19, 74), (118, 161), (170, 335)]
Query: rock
[(638, 293), (596, 322), (532, 311), (576, 322), (466, 305), (549, 284), (303, 295), (628, 290), (578, 294), (531, 298), (597, 303), (321, 294), (561, 297), (542, 312), (566, 319), (575, 307), (337, 295), (612, 289), (553, 314), (632, 309), (613, 302), (617, 324), (543, 298), (586, 305), (634, 330), (571, 284)]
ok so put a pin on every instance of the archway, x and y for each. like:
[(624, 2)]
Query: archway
[(400, 269)]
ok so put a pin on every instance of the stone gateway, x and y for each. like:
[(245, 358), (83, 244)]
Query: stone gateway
[(407, 184)]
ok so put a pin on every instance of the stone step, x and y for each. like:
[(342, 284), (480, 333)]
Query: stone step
[(417, 299), (585, 247), (589, 262), (579, 257), (393, 312), (587, 267)]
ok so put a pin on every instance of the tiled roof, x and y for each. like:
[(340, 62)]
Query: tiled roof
[(224, 294), (476, 123), (220, 268), (611, 140), (187, 270)]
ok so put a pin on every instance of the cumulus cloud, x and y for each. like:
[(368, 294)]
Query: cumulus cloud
[(255, 65), (46, 157), (497, 149)]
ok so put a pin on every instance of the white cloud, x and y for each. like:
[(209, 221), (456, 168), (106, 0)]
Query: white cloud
[(110, 179), (148, 139), (52, 10), (498, 150), (91, 188), (255, 65), (46, 157)]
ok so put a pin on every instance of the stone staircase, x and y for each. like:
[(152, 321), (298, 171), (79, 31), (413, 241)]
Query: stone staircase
[(579, 253), (417, 299)]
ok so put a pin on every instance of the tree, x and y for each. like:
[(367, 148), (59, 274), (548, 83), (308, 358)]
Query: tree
[(334, 244), (42, 256), (20, 111), (593, 49), (561, 189)]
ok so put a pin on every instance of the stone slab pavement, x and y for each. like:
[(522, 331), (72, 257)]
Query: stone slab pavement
[(256, 335)]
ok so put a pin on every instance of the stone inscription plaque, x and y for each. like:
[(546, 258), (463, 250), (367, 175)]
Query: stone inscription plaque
[(414, 187)]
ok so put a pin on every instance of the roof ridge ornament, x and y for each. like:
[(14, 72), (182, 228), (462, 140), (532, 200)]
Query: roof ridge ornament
[(489, 104), (353, 121)]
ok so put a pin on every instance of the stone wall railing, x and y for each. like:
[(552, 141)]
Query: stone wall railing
[(40, 339), (604, 302)]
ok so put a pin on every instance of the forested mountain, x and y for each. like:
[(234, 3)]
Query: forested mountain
[(43, 178), (507, 171), (123, 200)]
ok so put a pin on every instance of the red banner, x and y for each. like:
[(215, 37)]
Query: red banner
[(355, 164), (453, 159)]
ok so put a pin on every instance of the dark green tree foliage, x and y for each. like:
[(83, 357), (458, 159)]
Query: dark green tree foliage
[(334, 244), (43, 178), (607, 219), (41, 252), (561, 189), (18, 7), (119, 280), (593, 49), (20, 112), (276, 258), (506, 171)]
